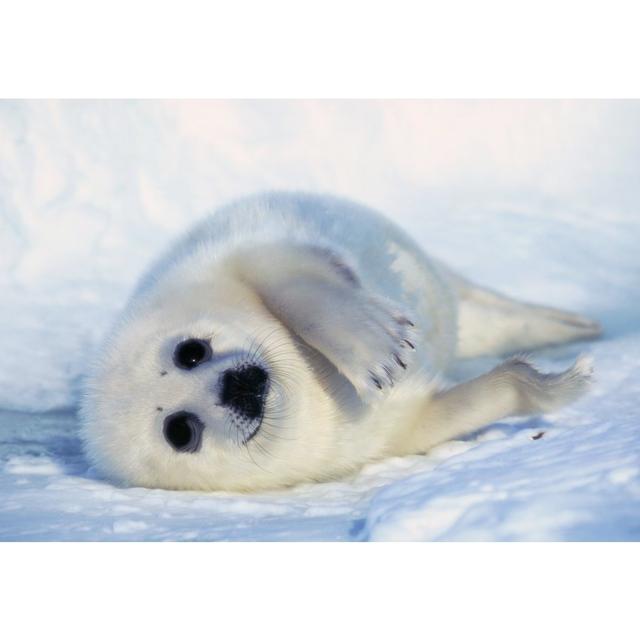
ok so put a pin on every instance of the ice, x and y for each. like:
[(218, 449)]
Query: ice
[(539, 200)]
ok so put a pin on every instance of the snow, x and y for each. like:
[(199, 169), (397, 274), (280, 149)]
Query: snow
[(538, 199)]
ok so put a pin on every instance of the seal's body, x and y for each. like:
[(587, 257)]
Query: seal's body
[(292, 338)]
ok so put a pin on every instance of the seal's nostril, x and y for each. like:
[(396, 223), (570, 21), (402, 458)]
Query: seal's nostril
[(244, 389), (183, 431)]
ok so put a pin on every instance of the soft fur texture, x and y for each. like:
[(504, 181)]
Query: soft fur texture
[(355, 326)]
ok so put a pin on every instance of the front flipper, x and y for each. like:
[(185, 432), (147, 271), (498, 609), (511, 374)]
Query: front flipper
[(319, 297)]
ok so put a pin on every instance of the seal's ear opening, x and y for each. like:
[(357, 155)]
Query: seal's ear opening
[(183, 431)]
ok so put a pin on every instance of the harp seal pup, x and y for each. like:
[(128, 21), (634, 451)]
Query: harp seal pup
[(291, 338)]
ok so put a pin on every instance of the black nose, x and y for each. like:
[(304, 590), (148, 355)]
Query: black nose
[(244, 390)]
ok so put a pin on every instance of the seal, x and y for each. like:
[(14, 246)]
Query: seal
[(292, 338)]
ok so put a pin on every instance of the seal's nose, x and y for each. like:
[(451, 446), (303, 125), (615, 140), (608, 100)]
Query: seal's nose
[(244, 390)]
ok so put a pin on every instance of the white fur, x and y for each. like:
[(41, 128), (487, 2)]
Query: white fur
[(354, 324)]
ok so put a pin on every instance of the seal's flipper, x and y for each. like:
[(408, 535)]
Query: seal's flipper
[(492, 324), (514, 388), (319, 297)]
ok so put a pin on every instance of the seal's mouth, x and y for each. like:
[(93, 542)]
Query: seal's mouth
[(243, 391)]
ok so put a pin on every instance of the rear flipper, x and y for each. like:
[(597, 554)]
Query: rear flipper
[(514, 388), (492, 324)]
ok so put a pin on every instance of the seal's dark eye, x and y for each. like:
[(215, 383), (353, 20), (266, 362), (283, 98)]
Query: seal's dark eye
[(191, 353), (183, 431)]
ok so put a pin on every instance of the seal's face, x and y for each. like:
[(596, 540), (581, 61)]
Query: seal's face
[(214, 402), (238, 380)]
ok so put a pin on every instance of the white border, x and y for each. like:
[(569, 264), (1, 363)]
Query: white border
[(346, 48), (420, 590)]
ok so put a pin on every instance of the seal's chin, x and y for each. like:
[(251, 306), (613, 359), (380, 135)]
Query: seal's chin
[(243, 391)]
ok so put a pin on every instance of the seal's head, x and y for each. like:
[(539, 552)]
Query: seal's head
[(200, 387)]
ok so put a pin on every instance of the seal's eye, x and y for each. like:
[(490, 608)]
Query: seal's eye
[(183, 431), (190, 353)]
